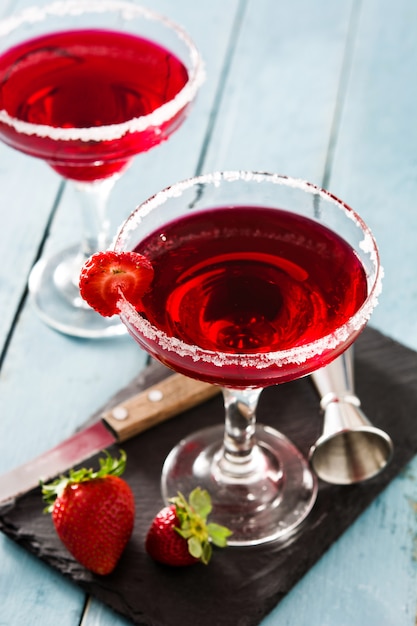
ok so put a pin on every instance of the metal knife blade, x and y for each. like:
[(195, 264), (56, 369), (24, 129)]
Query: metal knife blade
[(171, 396)]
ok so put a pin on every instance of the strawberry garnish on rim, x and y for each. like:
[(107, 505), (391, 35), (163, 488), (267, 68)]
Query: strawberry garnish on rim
[(107, 275)]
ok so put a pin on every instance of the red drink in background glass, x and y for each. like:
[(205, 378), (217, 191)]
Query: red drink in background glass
[(248, 280), (85, 79), (86, 85)]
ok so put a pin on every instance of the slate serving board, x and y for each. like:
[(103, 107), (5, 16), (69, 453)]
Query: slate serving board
[(241, 585)]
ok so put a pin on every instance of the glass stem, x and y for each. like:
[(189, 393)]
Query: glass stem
[(93, 197), (240, 454)]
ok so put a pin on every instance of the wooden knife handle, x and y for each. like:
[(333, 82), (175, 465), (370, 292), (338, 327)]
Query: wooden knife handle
[(169, 397)]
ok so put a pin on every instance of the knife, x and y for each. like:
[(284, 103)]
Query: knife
[(157, 403)]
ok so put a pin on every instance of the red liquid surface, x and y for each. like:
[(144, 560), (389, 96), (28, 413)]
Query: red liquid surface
[(239, 280), (83, 79)]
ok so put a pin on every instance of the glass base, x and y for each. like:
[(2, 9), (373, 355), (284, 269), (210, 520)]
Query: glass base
[(57, 299), (267, 503)]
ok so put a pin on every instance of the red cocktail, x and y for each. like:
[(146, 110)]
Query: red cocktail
[(258, 279), (249, 280), (86, 86)]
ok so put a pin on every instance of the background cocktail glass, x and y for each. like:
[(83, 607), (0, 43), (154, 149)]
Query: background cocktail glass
[(262, 288), (88, 126)]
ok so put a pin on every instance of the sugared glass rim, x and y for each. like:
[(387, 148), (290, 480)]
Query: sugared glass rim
[(297, 355), (167, 111)]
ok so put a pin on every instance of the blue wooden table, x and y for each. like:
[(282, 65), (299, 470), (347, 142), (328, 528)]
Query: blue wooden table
[(323, 90)]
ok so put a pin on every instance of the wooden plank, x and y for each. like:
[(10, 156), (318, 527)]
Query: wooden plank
[(28, 195), (73, 361), (27, 198), (374, 166), (97, 614), (32, 593), (374, 162), (277, 107), (369, 577), (51, 383)]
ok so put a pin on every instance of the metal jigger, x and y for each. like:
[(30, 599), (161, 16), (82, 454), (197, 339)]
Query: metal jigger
[(350, 449)]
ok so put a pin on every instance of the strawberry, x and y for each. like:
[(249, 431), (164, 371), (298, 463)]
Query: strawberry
[(179, 534), (107, 274), (93, 513)]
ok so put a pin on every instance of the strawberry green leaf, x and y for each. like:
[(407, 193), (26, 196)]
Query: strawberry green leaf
[(218, 534), (192, 526), (186, 533), (109, 466), (195, 548), (207, 553), (200, 501)]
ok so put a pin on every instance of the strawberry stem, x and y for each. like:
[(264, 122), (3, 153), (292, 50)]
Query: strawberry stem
[(192, 516), (109, 466)]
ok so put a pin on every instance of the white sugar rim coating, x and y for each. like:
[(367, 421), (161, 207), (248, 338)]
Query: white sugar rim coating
[(196, 73), (259, 360)]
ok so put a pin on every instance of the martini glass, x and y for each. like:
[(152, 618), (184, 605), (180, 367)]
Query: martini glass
[(259, 279), (85, 86)]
